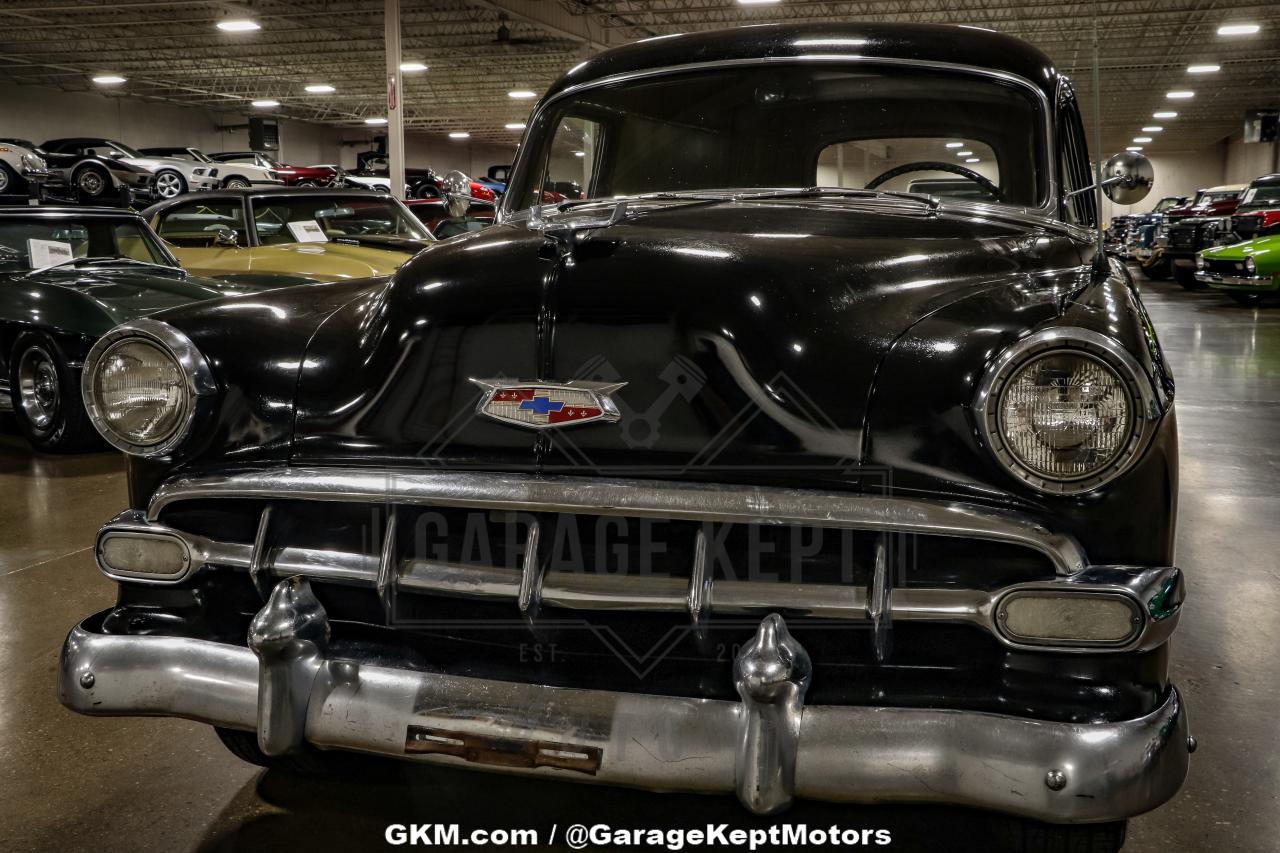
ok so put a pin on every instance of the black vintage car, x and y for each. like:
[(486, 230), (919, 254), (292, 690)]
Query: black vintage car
[(750, 472)]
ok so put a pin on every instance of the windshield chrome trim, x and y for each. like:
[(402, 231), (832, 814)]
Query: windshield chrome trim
[(1048, 209)]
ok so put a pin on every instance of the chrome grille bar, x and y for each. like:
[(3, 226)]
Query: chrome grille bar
[(708, 502)]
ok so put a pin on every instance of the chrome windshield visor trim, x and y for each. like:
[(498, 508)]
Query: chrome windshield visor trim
[(768, 747), (638, 498)]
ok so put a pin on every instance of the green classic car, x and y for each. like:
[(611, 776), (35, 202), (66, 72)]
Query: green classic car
[(68, 276), (1248, 272)]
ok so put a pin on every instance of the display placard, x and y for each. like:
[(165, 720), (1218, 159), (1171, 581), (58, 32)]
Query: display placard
[(307, 231), (48, 253)]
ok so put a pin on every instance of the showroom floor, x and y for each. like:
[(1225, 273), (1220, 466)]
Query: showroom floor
[(74, 783)]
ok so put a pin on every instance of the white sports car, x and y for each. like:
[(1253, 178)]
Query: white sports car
[(231, 175), (20, 165)]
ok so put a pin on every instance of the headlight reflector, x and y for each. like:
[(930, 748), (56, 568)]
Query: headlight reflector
[(1067, 410), (1065, 415), (142, 385), (140, 391), (1250, 266)]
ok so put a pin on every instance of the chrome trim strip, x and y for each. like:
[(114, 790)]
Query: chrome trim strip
[(637, 498), (1257, 282), (1049, 209), (880, 603), (1109, 771)]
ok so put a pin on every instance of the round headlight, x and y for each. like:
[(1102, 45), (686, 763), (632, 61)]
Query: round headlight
[(1250, 266), (1200, 262), (142, 385), (140, 391), (1066, 411)]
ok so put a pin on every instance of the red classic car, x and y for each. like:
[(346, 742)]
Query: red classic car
[(293, 176), (1202, 225), (1259, 212)]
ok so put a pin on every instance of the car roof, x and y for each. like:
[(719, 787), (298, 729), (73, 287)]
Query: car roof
[(921, 44), (1226, 188), (1266, 180), (65, 211), (261, 192)]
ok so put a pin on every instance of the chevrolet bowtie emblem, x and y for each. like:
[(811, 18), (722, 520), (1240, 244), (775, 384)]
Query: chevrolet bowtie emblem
[(546, 405)]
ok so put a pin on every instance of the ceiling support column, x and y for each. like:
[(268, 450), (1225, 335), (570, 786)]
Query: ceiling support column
[(395, 100)]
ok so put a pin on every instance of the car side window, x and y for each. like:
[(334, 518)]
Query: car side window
[(197, 225)]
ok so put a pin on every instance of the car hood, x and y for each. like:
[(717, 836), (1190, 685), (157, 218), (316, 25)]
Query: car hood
[(345, 260), (748, 335), (1265, 252), (124, 293)]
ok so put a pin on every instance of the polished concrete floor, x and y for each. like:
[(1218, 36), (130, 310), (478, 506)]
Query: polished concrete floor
[(70, 783)]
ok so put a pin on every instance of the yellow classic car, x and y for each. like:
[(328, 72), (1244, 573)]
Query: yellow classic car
[(318, 235)]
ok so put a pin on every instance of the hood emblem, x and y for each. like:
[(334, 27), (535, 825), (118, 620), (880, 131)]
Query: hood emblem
[(547, 405)]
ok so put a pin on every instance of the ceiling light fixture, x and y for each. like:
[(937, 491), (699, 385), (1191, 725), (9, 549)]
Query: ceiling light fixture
[(1180, 94), (1203, 69), (579, 154), (109, 79), (522, 94), (320, 89), (375, 121), (955, 144), (514, 125), (1238, 29), (266, 103), (1165, 114), (757, 2), (964, 153), (973, 160), (1152, 128), (1142, 139), (459, 134), (239, 25), (412, 66), (1134, 148)]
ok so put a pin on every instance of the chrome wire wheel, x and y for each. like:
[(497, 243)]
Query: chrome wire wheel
[(38, 388), (91, 183), (4, 178), (236, 184), (169, 184)]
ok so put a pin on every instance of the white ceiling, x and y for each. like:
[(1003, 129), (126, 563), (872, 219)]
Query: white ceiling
[(171, 50)]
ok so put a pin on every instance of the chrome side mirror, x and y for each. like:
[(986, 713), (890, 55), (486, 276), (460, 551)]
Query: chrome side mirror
[(226, 238), (457, 193), (1127, 177)]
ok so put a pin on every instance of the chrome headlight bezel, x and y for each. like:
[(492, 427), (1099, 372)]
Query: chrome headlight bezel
[(200, 388), (1145, 406)]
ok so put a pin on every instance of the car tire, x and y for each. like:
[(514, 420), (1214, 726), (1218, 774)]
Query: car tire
[(170, 184), (306, 183), (1159, 271), (1245, 298), (91, 183), (1017, 835), (309, 762), (46, 397), (11, 183), (1186, 277), (235, 182)]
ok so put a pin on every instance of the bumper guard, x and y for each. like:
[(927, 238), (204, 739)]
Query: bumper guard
[(768, 748)]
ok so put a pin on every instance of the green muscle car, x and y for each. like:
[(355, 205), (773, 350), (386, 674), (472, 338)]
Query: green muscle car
[(67, 275), (1248, 272)]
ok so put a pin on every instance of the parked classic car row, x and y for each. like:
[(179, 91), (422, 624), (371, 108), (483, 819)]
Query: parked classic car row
[(1226, 239)]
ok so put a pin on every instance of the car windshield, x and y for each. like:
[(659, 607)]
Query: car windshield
[(35, 242), (1261, 196), (1214, 198), (109, 148), (318, 218), (779, 126), (1166, 204)]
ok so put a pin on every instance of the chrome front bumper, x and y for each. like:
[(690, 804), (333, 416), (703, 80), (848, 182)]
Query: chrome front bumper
[(1253, 282), (768, 748)]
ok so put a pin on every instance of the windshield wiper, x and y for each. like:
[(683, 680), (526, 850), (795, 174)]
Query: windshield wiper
[(932, 202), (100, 259)]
